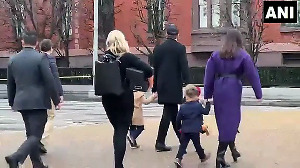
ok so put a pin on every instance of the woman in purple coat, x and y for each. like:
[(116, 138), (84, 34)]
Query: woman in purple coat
[(222, 81)]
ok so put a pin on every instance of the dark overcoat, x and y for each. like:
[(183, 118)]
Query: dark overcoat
[(30, 83), (170, 71)]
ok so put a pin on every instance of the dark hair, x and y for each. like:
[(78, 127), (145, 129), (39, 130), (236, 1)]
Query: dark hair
[(30, 38), (233, 43), (172, 36), (46, 45)]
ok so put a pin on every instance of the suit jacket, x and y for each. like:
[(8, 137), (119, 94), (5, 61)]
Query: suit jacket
[(190, 117), (171, 71), (30, 83), (55, 74)]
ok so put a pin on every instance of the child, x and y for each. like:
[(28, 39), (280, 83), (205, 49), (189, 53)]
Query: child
[(137, 125), (189, 121), (204, 127)]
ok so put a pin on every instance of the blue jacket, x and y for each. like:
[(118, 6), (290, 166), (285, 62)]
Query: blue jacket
[(190, 117), (54, 70)]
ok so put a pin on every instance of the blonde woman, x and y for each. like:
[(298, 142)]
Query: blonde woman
[(119, 109)]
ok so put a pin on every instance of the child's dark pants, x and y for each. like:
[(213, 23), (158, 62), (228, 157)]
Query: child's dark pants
[(136, 130), (185, 139)]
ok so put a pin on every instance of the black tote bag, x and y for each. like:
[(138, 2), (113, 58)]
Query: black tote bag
[(108, 78), (136, 80)]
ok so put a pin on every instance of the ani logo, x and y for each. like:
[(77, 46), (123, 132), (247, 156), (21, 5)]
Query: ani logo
[(280, 11)]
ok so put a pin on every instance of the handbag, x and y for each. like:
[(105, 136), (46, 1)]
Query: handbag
[(108, 77), (136, 80)]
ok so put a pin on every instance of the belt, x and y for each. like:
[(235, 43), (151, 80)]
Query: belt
[(227, 76)]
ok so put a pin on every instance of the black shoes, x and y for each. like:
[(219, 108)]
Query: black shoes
[(178, 163), (12, 162), (39, 165), (42, 149), (220, 161), (235, 153), (207, 156), (132, 142), (159, 147)]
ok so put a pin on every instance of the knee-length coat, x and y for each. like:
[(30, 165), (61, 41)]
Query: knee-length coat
[(226, 89)]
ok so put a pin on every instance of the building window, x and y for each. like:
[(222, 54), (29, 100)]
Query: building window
[(297, 25), (291, 58), (203, 13), (217, 13)]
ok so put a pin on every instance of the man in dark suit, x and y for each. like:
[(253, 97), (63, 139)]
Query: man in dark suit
[(171, 72), (30, 86)]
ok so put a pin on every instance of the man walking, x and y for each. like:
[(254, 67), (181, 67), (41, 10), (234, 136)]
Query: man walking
[(170, 73), (30, 87)]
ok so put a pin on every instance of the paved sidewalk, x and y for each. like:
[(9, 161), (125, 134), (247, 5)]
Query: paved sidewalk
[(267, 140)]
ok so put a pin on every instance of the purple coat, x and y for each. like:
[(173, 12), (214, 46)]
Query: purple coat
[(227, 90)]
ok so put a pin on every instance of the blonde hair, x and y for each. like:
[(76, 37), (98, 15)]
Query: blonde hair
[(191, 91), (116, 43)]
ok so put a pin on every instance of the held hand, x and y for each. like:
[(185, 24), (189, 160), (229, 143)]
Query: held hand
[(61, 99), (13, 109), (58, 107), (155, 95), (259, 100)]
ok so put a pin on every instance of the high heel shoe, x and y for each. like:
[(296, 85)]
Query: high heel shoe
[(220, 160), (221, 163), (235, 153)]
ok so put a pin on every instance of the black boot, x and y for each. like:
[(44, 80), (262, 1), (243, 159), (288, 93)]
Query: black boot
[(220, 161), (235, 154), (12, 161)]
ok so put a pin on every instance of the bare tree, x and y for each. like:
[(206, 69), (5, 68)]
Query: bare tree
[(255, 27), (106, 20), (252, 25), (158, 14), (34, 15), (65, 26)]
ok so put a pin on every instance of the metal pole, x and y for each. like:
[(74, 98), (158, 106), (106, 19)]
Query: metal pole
[(95, 45)]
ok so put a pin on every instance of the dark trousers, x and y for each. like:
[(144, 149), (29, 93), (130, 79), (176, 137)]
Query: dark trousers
[(119, 110), (136, 130), (169, 114), (35, 121), (184, 141)]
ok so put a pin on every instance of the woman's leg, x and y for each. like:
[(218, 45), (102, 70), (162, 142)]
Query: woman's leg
[(119, 140), (220, 160), (235, 153)]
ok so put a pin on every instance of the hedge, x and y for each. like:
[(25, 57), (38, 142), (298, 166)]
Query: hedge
[(270, 76)]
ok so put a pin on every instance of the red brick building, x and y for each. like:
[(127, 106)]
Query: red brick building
[(199, 23)]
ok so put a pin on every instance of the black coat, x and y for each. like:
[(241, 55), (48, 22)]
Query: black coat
[(119, 109), (30, 83), (170, 71)]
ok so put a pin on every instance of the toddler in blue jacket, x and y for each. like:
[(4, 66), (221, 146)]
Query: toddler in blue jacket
[(189, 121)]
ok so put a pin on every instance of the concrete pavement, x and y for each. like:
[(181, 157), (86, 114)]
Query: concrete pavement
[(269, 138)]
